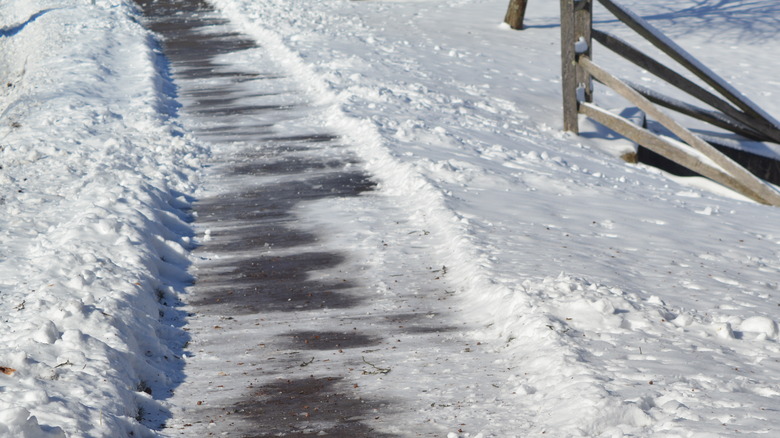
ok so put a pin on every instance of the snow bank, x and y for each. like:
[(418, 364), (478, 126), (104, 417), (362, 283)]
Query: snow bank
[(92, 190)]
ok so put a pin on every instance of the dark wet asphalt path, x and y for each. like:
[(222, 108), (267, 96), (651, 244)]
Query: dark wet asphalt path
[(281, 320), (267, 176)]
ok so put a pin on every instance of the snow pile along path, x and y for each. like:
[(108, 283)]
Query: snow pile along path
[(94, 244)]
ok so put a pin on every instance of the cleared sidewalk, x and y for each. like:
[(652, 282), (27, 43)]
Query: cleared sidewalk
[(292, 333)]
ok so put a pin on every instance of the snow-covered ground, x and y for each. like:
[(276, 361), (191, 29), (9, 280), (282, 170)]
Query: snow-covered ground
[(629, 302), (94, 174)]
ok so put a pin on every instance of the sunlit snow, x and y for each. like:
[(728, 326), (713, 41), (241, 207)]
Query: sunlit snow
[(611, 299)]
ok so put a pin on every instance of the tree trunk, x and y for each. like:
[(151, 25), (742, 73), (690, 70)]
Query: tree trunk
[(516, 13)]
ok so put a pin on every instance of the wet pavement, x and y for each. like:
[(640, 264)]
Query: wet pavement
[(286, 327), (239, 277)]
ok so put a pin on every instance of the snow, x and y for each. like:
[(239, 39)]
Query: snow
[(610, 299), (92, 185)]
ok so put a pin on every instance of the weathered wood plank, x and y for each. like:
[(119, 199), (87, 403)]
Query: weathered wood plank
[(712, 117), (766, 168), (663, 147), (622, 48), (685, 59), (761, 192)]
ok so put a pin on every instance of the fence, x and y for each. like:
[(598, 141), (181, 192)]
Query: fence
[(731, 110)]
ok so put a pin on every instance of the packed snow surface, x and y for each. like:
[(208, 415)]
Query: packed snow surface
[(626, 301)]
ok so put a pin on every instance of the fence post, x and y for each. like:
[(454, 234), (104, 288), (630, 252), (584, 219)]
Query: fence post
[(515, 14), (576, 21), (583, 25)]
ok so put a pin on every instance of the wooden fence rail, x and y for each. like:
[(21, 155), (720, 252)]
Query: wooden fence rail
[(768, 132), (732, 111)]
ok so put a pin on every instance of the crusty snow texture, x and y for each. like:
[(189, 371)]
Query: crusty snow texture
[(93, 238)]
